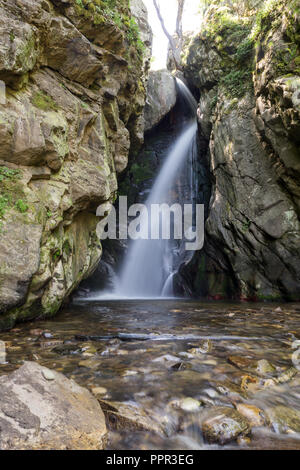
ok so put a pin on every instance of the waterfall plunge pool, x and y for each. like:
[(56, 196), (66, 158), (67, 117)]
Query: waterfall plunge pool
[(139, 353)]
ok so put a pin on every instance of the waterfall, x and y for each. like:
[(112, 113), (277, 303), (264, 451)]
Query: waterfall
[(150, 265)]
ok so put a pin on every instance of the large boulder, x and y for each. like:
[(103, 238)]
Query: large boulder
[(222, 425), (41, 409), (161, 97)]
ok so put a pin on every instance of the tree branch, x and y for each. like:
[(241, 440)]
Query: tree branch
[(171, 40)]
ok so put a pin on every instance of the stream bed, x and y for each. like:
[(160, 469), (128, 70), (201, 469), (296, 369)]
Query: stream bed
[(170, 362)]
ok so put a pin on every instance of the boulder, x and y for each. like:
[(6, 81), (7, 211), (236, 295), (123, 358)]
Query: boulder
[(284, 420), (161, 97), (222, 425), (41, 409)]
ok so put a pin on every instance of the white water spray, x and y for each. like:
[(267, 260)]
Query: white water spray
[(149, 268), (150, 265)]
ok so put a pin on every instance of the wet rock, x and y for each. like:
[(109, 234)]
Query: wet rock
[(114, 352), (47, 335), (38, 413), (284, 420), (204, 347), (129, 373), (249, 383), (222, 425), (243, 441), (240, 361), (66, 349), (50, 344), (186, 354), (211, 393), (36, 332), (189, 404), (99, 391), (89, 364), (261, 367), (253, 414), (88, 348), (264, 367), (230, 389), (168, 360), (124, 417), (286, 376), (180, 366)]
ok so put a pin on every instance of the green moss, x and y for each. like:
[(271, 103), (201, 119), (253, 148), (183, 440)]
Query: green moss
[(237, 83), (56, 255), (141, 173), (4, 204), (8, 188), (269, 298), (286, 60), (45, 102), (245, 50), (9, 174), (246, 225), (116, 12), (21, 206), (230, 35)]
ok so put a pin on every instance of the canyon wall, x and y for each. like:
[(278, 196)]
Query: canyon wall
[(246, 65), (72, 97)]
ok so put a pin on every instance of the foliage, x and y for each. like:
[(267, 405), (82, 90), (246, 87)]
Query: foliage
[(9, 190), (245, 50), (21, 206), (118, 12), (8, 173), (237, 82), (4, 202)]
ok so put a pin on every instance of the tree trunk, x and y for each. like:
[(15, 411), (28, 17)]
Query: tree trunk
[(179, 18), (178, 29)]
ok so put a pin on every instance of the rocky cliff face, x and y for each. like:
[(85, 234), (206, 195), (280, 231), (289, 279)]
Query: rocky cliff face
[(72, 99), (246, 64)]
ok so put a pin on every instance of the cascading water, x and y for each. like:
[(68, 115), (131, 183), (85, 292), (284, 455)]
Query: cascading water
[(151, 264)]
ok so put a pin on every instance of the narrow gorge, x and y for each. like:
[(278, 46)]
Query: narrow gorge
[(149, 224)]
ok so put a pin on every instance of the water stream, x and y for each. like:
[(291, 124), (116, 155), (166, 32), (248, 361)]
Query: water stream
[(137, 351)]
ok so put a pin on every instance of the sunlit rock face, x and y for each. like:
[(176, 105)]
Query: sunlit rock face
[(246, 65), (161, 97), (75, 93)]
